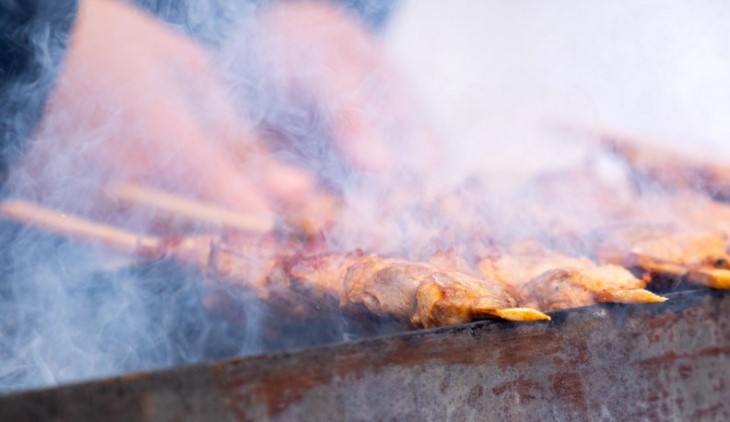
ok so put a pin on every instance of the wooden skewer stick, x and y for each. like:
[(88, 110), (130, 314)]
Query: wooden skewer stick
[(191, 209), (75, 227)]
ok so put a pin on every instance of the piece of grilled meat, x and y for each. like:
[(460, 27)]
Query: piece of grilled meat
[(546, 280), (425, 295), (699, 256)]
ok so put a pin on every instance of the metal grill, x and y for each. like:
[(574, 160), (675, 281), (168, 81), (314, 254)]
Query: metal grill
[(609, 362)]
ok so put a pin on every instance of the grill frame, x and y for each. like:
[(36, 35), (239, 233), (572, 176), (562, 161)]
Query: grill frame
[(608, 362)]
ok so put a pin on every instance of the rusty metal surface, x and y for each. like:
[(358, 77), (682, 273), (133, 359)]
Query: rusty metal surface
[(666, 361)]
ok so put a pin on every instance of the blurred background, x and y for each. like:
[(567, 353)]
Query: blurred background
[(498, 74)]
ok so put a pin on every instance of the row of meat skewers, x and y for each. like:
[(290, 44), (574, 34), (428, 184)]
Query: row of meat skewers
[(522, 281)]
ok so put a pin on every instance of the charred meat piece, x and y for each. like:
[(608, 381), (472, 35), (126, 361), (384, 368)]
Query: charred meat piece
[(550, 281), (305, 285), (319, 279), (717, 278), (556, 289), (384, 287), (523, 262), (565, 288), (242, 259), (424, 295), (701, 257), (455, 298), (242, 264), (636, 245)]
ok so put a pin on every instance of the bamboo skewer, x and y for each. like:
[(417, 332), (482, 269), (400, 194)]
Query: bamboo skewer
[(75, 227), (191, 209)]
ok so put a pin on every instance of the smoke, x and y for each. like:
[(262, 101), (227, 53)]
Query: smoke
[(489, 79), (67, 316), (72, 312), (498, 74)]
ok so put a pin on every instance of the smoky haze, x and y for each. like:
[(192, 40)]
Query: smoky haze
[(490, 80), (499, 73)]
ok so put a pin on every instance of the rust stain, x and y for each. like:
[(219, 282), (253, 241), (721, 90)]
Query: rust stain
[(671, 357), (524, 387), (716, 412), (719, 387), (474, 395), (447, 351), (278, 388), (658, 324), (685, 371), (582, 354), (284, 389), (450, 349), (445, 383), (523, 351), (569, 388)]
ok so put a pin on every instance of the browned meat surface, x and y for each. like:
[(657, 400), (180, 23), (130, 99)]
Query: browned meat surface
[(717, 278), (600, 278), (523, 262), (546, 280), (565, 288), (662, 249), (384, 287), (700, 256), (319, 279), (424, 295), (249, 260), (556, 289), (455, 298), (253, 264), (303, 285)]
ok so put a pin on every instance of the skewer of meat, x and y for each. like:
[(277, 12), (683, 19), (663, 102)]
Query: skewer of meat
[(623, 230), (415, 292), (247, 260), (550, 281), (426, 295), (304, 283), (700, 257)]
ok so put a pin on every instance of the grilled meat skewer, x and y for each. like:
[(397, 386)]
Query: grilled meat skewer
[(549, 281), (701, 257), (268, 267), (426, 295)]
